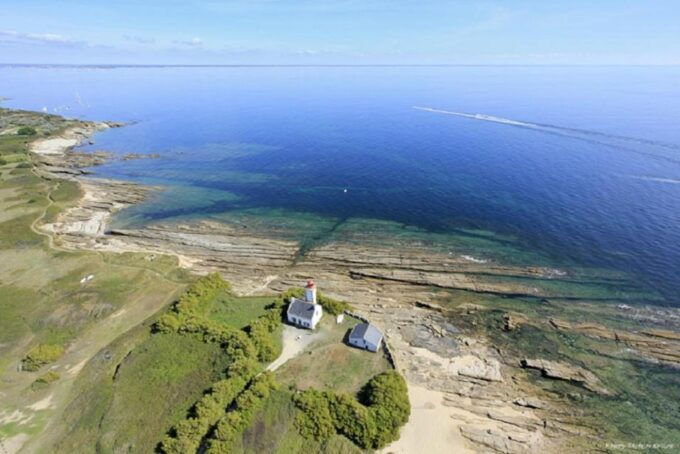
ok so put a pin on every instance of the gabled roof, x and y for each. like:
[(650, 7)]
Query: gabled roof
[(301, 309), (367, 332)]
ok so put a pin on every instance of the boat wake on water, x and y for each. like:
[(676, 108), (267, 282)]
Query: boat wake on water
[(655, 179), (658, 150)]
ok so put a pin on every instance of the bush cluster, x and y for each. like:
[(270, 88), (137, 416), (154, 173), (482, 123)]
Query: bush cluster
[(200, 294), (316, 420), (244, 347), (293, 292), (262, 332), (26, 131), (40, 355), (49, 377), (332, 306), (232, 424), (371, 423)]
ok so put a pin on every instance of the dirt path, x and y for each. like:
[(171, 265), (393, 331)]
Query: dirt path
[(295, 341), (36, 221), (46, 409)]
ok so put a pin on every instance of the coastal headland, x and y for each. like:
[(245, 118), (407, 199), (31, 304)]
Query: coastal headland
[(498, 357)]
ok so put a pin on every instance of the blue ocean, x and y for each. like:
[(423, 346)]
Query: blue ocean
[(578, 164)]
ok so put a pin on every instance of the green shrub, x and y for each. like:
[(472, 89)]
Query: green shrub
[(352, 419), (262, 332), (246, 405), (200, 293), (27, 131), (49, 377), (2, 162), (386, 395), (332, 306), (40, 355), (316, 420), (370, 424), (187, 435), (293, 292), (24, 165)]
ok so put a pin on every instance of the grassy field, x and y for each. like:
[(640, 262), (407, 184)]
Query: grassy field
[(150, 383), (142, 395), (330, 364), (238, 311), (42, 298)]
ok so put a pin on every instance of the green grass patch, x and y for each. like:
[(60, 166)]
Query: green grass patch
[(11, 144), (245, 347), (333, 367), (155, 386), (41, 355), (15, 233), (67, 191), (331, 364), (238, 312), (45, 380), (133, 392)]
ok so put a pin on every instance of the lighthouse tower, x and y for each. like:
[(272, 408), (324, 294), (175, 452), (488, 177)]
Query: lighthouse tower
[(310, 292)]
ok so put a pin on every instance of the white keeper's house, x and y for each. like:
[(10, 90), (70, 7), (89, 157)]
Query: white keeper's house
[(305, 313)]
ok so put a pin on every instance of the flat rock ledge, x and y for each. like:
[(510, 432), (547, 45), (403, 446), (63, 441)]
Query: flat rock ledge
[(567, 372)]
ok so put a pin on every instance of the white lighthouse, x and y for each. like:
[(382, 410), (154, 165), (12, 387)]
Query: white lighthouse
[(310, 292)]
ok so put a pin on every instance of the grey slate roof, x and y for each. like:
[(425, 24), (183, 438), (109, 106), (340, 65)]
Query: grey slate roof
[(301, 309), (367, 332)]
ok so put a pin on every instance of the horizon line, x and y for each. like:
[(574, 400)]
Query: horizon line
[(328, 65)]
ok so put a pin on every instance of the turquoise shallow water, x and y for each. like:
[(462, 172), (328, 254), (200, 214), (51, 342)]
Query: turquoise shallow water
[(579, 164)]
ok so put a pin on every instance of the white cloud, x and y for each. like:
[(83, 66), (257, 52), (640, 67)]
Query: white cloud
[(193, 42), (38, 38), (139, 39)]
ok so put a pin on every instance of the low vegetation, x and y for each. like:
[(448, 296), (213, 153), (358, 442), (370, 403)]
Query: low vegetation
[(46, 379), (41, 355), (231, 425), (26, 131), (217, 422), (330, 364), (246, 349), (332, 306), (371, 422)]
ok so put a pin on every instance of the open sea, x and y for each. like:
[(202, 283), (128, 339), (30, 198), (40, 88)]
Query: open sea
[(578, 164)]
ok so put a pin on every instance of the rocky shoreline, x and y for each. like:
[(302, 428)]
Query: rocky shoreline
[(488, 400)]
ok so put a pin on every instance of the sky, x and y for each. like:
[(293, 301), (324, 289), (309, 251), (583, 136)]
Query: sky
[(510, 32)]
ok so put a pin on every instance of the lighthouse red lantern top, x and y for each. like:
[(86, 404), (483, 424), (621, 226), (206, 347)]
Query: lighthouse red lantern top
[(310, 292)]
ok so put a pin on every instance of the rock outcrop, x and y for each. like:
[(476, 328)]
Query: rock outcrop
[(653, 344), (568, 372)]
